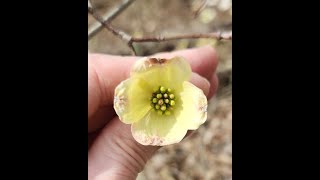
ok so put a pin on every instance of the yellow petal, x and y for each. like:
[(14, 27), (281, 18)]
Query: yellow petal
[(193, 109), (158, 130), (132, 100), (165, 72)]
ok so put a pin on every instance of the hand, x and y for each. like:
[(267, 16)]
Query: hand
[(112, 151)]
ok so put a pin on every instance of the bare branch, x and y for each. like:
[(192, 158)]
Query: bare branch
[(122, 35), (108, 17), (216, 35), (129, 40), (133, 51)]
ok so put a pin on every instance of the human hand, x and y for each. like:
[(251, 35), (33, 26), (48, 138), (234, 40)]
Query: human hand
[(112, 151)]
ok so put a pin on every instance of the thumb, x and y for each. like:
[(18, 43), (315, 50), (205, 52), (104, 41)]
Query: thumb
[(116, 155)]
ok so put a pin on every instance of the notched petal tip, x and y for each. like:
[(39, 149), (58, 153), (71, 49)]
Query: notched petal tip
[(158, 61), (120, 99), (145, 63), (149, 140), (154, 140), (202, 105)]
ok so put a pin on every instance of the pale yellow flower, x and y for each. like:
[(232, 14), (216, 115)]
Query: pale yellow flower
[(159, 102)]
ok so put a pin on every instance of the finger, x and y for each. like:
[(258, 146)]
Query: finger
[(101, 117), (92, 137), (115, 152), (200, 82), (214, 86)]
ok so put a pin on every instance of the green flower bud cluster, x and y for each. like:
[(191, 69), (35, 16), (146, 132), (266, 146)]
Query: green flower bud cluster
[(163, 100)]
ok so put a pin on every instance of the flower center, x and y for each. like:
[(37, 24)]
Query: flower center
[(163, 100)]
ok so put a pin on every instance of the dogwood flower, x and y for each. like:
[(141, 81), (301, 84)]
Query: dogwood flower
[(159, 102)]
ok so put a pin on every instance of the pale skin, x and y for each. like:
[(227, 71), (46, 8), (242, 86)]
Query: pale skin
[(112, 151)]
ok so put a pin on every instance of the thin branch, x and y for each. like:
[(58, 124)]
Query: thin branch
[(108, 17), (201, 8), (133, 51), (129, 40), (122, 35), (216, 35)]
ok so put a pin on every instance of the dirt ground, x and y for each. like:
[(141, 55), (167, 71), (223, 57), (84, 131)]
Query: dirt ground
[(207, 154)]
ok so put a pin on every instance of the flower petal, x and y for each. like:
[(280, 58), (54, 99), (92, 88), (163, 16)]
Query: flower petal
[(193, 109), (166, 72), (131, 100), (158, 130)]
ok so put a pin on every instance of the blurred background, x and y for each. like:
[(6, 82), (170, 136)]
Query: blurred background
[(207, 154)]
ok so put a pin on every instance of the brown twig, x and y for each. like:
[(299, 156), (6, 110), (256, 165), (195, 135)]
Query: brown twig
[(216, 35), (133, 51), (108, 17), (129, 40), (122, 35)]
